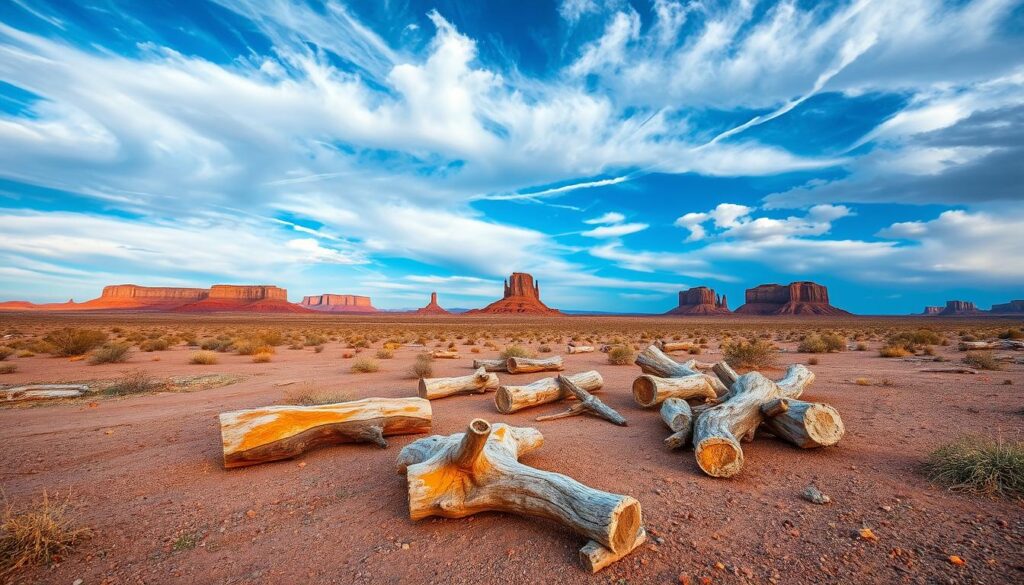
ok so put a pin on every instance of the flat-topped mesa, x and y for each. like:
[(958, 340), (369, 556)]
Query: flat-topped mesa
[(1010, 307), (259, 292), (522, 295), (339, 303), (931, 311), (152, 293), (797, 298), (258, 298), (700, 301), (432, 307), (959, 308)]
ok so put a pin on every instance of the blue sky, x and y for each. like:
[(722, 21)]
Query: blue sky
[(619, 151)]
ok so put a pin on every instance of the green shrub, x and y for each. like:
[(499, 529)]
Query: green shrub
[(979, 465), (621, 355), (749, 354), (111, 353), (71, 342)]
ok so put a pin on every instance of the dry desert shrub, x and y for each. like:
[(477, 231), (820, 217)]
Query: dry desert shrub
[(983, 360), (133, 382), (111, 353), (749, 354), (71, 342), (160, 344), (620, 355), (37, 534), (216, 344), (365, 366), (252, 346), (5, 352), (823, 343), (313, 394), (203, 358), (8, 368), (423, 367), (515, 351), (981, 465), (385, 353), (262, 357), (1012, 334), (893, 351)]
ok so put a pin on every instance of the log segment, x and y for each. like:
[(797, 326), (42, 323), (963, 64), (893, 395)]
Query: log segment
[(595, 557), (510, 399), (651, 391), (676, 413), (580, 349), (272, 433), (1008, 344), (522, 365), (805, 424), (43, 392), (441, 354), (498, 365), (653, 361), (479, 471), (476, 383), (587, 403)]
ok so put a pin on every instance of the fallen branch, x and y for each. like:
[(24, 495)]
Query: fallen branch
[(580, 349), (522, 365), (651, 391), (271, 433), (950, 370), (476, 383), (654, 362), (588, 403), (1010, 344), (510, 399), (478, 471), (676, 413)]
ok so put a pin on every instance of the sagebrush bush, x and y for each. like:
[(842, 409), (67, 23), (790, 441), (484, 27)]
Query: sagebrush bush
[(983, 360), (203, 358), (621, 355), (37, 534), (749, 354), (313, 394), (980, 465), (71, 341), (111, 353), (423, 367), (133, 382), (365, 366), (385, 353), (5, 352)]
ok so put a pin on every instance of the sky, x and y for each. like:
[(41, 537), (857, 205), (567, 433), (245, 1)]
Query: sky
[(620, 151)]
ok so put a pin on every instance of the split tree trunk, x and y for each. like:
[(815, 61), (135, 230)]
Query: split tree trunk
[(498, 365), (651, 391), (581, 349), (271, 433), (522, 365), (677, 415), (476, 383), (478, 471), (805, 424), (510, 399)]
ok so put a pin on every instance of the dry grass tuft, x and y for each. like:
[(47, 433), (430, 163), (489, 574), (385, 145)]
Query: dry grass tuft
[(365, 366), (621, 355), (133, 382), (979, 465), (37, 535), (71, 342), (423, 367), (203, 358), (262, 357), (111, 353), (516, 351), (983, 360), (312, 394)]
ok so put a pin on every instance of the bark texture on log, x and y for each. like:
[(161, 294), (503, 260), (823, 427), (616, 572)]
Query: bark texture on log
[(522, 365), (496, 365), (43, 392), (479, 470), (653, 361), (588, 403), (676, 413), (272, 433), (580, 349), (807, 425), (651, 391), (478, 382), (510, 399)]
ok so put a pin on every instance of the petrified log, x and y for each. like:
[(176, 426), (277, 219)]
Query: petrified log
[(476, 383), (949, 370), (581, 349), (670, 346), (651, 391), (587, 403), (43, 392), (654, 362), (479, 470), (677, 415), (725, 373), (1010, 344), (445, 354), (805, 424), (498, 365), (510, 399), (522, 365), (717, 430), (271, 433)]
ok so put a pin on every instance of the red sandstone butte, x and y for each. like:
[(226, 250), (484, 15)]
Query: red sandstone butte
[(1008, 308), (123, 297), (261, 298), (331, 303), (931, 311), (522, 295), (700, 301), (959, 308), (432, 307), (798, 298)]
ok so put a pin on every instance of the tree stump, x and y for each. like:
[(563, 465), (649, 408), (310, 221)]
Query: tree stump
[(651, 391), (476, 383), (272, 433), (498, 365), (479, 471), (522, 365), (676, 413), (510, 399)]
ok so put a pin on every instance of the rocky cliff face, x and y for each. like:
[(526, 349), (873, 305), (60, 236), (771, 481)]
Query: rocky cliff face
[(959, 308), (259, 298), (154, 293), (339, 303), (219, 297), (700, 301), (522, 295), (432, 307), (931, 311), (249, 293), (797, 298), (1010, 307)]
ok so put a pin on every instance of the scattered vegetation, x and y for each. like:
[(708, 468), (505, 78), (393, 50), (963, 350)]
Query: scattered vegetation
[(111, 353), (423, 367), (312, 394), (823, 343), (5, 352), (749, 354), (203, 358), (8, 368), (262, 357), (37, 534), (621, 355), (980, 465), (365, 366), (69, 341), (385, 353), (515, 351), (133, 382), (982, 360), (894, 351)]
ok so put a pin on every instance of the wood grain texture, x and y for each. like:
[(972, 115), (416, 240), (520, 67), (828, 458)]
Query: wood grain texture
[(522, 365), (650, 391), (676, 414), (478, 382), (509, 398)]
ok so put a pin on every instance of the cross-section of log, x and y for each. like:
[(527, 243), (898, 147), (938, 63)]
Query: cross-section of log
[(580, 349), (805, 424), (476, 383), (588, 403), (596, 557), (510, 399), (479, 471), (498, 365), (717, 430), (677, 415), (271, 433), (651, 391), (522, 365)]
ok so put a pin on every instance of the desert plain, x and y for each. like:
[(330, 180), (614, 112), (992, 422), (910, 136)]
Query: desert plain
[(142, 470)]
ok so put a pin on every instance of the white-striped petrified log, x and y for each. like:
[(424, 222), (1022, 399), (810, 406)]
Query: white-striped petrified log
[(496, 365), (717, 430), (676, 413), (43, 392), (653, 361), (580, 349), (479, 471), (523, 365), (651, 391), (510, 398), (478, 382), (272, 433), (805, 424)]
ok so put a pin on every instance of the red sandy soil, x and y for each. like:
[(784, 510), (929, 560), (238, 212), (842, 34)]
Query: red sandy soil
[(146, 470)]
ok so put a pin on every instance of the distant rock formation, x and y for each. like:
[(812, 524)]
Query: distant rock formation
[(700, 301), (260, 298), (219, 297), (522, 295), (931, 311), (339, 303), (1008, 308), (432, 307), (798, 298), (959, 308)]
